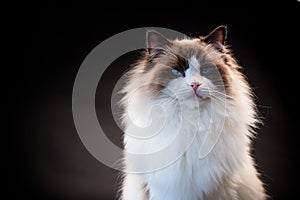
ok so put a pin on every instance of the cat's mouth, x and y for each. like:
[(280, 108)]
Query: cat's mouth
[(198, 95), (201, 94)]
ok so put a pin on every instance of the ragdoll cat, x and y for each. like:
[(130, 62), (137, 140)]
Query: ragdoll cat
[(189, 117)]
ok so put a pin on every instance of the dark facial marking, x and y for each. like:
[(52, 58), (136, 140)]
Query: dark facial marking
[(182, 65), (159, 61)]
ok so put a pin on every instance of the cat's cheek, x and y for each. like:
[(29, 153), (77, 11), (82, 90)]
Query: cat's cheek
[(175, 85)]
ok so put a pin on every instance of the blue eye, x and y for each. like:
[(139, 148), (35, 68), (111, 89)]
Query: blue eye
[(176, 72), (206, 70)]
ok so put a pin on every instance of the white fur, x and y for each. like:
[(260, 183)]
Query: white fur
[(194, 62), (218, 131), (192, 74)]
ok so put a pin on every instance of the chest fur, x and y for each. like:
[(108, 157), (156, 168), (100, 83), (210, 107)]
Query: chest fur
[(177, 167)]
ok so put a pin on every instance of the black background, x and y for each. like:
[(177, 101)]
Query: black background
[(48, 159)]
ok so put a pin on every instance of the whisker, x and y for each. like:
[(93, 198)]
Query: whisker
[(224, 100), (223, 85), (178, 92), (216, 92), (213, 90), (220, 98), (220, 95)]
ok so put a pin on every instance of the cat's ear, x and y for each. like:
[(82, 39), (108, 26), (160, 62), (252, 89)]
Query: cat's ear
[(155, 40), (217, 36)]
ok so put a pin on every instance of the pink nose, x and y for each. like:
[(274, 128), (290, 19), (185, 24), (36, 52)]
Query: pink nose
[(195, 85)]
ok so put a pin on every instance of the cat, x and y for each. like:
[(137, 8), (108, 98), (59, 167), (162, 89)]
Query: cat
[(188, 106)]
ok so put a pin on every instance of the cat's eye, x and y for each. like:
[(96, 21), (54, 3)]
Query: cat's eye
[(176, 72), (206, 70)]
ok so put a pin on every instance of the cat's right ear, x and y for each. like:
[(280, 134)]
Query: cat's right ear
[(155, 40)]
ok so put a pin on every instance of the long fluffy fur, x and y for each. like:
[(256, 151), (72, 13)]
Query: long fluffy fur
[(226, 172)]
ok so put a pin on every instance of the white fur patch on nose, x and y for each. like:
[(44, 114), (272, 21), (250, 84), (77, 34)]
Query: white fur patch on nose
[(193, 62), (192, 73)]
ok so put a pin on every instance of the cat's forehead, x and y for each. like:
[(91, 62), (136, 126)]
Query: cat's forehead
[(194, 62), (189, 49)]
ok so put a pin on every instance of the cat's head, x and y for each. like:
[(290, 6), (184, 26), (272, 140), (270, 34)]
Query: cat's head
[(189, 69)]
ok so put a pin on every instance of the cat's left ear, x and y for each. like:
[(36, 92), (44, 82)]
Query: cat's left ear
[(217, 36)]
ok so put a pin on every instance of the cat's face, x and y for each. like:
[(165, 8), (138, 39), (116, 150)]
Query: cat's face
[(190, 69)]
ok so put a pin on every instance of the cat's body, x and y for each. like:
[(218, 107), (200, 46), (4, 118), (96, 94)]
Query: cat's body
[(208, 126)]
